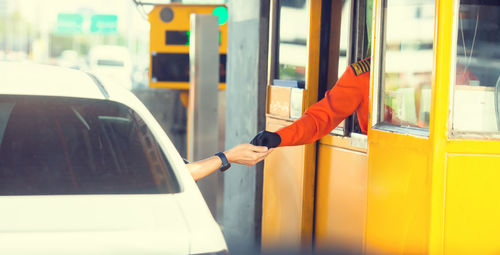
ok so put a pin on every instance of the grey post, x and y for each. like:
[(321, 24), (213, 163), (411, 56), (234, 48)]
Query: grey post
[(245, 116), (203, 134)]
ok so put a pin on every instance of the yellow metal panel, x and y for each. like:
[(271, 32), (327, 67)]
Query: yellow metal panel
[(313, 46), (461, 216), (399, 141), (474, 146), (398, 197), (282, 202), (288, 193), (288, 200), (472, 205), (438, 128), (340, 200), (374, 67)]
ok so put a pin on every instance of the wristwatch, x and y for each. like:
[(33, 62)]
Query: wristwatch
[(225, 163)]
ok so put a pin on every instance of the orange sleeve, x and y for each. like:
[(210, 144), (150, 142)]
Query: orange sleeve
[(325, 115)]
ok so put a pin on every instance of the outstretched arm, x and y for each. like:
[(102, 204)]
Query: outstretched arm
[(325, 115), (320, 118), (245, 154)]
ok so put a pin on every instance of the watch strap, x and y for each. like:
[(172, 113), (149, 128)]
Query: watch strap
[(225, 163)]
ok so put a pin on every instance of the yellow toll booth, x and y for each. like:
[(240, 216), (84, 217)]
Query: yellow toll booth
[(169, 44), (425, 178)]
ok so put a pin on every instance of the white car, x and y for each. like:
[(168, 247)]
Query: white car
[(86, 169), (69, 59), (112, 64)]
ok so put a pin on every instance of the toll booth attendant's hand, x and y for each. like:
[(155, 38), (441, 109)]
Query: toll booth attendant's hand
[(247, 154), (266, 138)]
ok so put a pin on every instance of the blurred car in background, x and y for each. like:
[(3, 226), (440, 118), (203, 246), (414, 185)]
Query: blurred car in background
[(140, 77), (111, 63), (86, 169), (15, 56), (69, 59)]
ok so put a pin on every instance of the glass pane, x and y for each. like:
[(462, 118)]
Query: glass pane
[(475, 104), (407, 62), (344, 43), (53, 146), (293, 30), (344, 36)]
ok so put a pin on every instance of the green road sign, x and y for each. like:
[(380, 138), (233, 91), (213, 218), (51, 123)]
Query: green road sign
[(69, 23), (104, 23)]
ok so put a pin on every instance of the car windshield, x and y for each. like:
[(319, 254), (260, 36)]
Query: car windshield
[(59, 146)]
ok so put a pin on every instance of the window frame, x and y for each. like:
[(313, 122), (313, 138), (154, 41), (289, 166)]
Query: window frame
[(358, 39), (275, 47), (378, 78), (356, 50), (452, 133)]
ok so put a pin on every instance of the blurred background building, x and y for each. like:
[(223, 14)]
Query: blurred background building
[(63, 32)]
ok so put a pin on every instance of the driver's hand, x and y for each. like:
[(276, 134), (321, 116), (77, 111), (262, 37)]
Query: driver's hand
[(247, 154)]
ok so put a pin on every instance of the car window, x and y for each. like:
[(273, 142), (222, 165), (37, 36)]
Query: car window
[(57, 146)]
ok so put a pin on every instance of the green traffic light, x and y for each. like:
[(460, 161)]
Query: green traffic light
[(221, 13)]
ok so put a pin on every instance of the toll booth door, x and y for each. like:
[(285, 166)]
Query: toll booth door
[(342, 160), (288, 188)]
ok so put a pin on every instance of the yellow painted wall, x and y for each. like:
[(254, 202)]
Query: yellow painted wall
[(288, 198), (340, 199), (472, 204), (282, 204), (398, 200), (289, 172)]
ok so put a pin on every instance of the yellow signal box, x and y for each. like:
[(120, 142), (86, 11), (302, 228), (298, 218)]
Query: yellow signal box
[(169, 44)]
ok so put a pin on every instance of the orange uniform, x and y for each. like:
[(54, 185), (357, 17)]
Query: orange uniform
[(349, 94)]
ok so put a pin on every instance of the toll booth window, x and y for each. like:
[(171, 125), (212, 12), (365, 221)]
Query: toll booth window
[(63, 146), (477, 81), (406, 63), (293, 31)]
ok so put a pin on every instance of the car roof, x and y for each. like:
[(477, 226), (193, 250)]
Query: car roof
[(24, 78)]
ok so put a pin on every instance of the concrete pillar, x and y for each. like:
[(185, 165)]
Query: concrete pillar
[(245, 116), (203, 125)]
